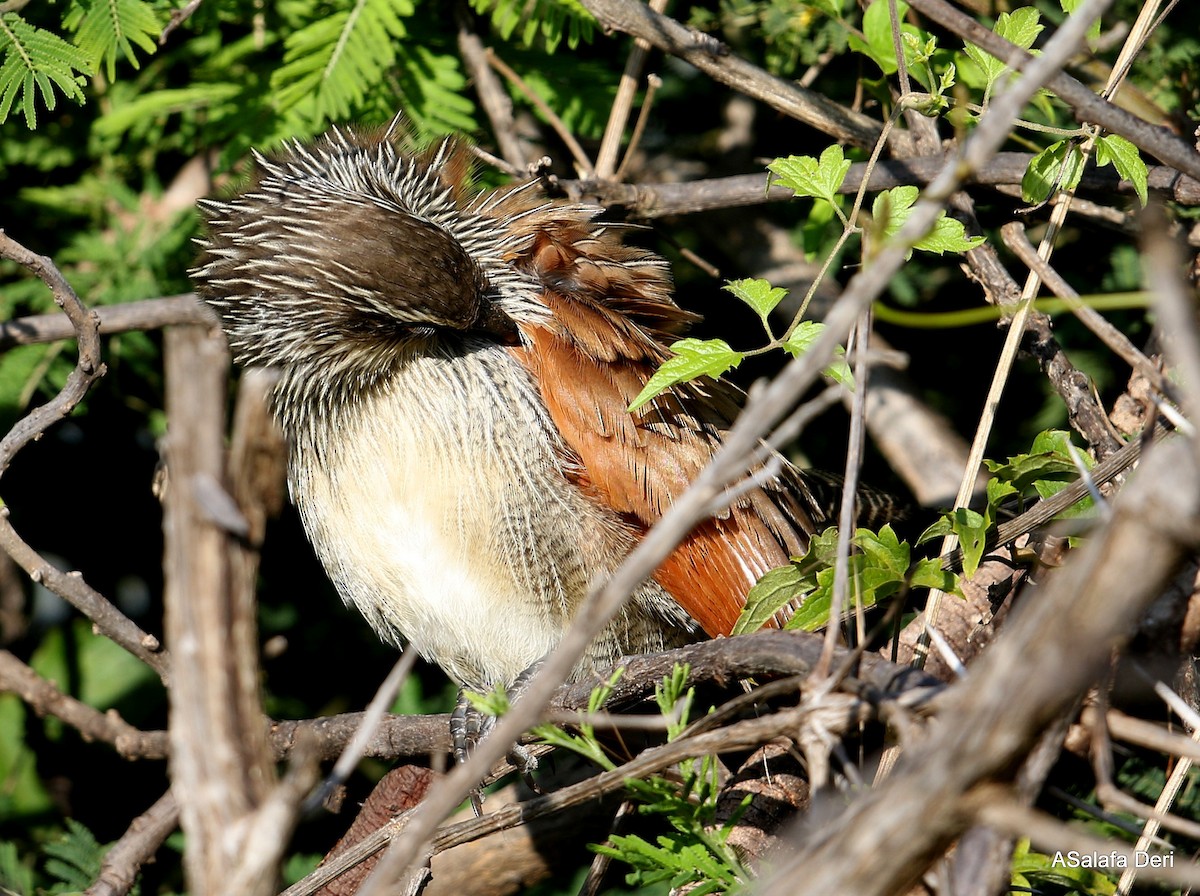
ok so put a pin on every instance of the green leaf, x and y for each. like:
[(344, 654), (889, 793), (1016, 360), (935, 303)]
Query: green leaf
[(1021, 26), (74, 859), (990, 67), (125, 115), (880, 567), (774, 592), (806, 176), (759, 295), (693, 358), (1048, 461), (892, 208), (434, 91), (1058, 167), (877, 29), (105, 28), (800, 341), (971, 528), (34, 58), (15, 876), (1124, 156), (549, 20), (23, 795), (332, 64)]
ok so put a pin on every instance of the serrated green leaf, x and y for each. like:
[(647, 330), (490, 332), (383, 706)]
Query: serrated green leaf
[(1058, 167), (807, 176), (758, 294), (989, 66), (693, 358), (948, 235), (1023, 471), (877, 29), (1124, 156), (772, 593), (971, 528), (928, 573), (880, 567), (1021, 26), (801, 340), (892, 208)]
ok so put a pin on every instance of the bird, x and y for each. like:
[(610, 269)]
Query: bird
[(456, 372)]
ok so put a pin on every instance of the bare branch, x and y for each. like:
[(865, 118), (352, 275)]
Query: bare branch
[(137, 847), (715, 60)]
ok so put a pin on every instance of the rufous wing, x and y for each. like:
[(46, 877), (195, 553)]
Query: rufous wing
[(610, 314)]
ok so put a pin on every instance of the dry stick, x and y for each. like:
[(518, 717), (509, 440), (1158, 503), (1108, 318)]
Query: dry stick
[(46, 699), (385, 694), (110, 621), (649, 201), (564, 133), (492, 96), (746, 734), (1159, 816), (1014, 237), (653, 82), (847, 513), (147, 314), (760, 414), (1012, 344), (1089, 107), (136, 847), (715, 59), (1141, 733), (610, 143)]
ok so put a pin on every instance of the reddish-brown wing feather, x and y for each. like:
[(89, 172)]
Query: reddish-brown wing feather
[(611, 309)]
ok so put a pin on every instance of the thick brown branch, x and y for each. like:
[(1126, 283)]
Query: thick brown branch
[(715, 59), (46, 699), (148, 314), (647, 201)]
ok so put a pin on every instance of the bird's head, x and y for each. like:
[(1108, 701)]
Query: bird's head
[(341, 251)]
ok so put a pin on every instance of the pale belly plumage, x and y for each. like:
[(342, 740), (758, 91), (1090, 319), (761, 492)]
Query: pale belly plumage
[(441, 510)]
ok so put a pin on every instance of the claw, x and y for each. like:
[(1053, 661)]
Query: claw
[(469, 726)]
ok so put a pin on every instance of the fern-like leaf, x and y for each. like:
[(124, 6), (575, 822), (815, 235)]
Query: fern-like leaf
[(433, 91), (159, 103), (104, 28), (75, 859), (36, 58), (332, 64), (551, 20)]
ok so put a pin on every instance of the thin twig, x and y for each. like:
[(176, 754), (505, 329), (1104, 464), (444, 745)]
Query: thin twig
[(564, 133), (610, 143), (137, 846)]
